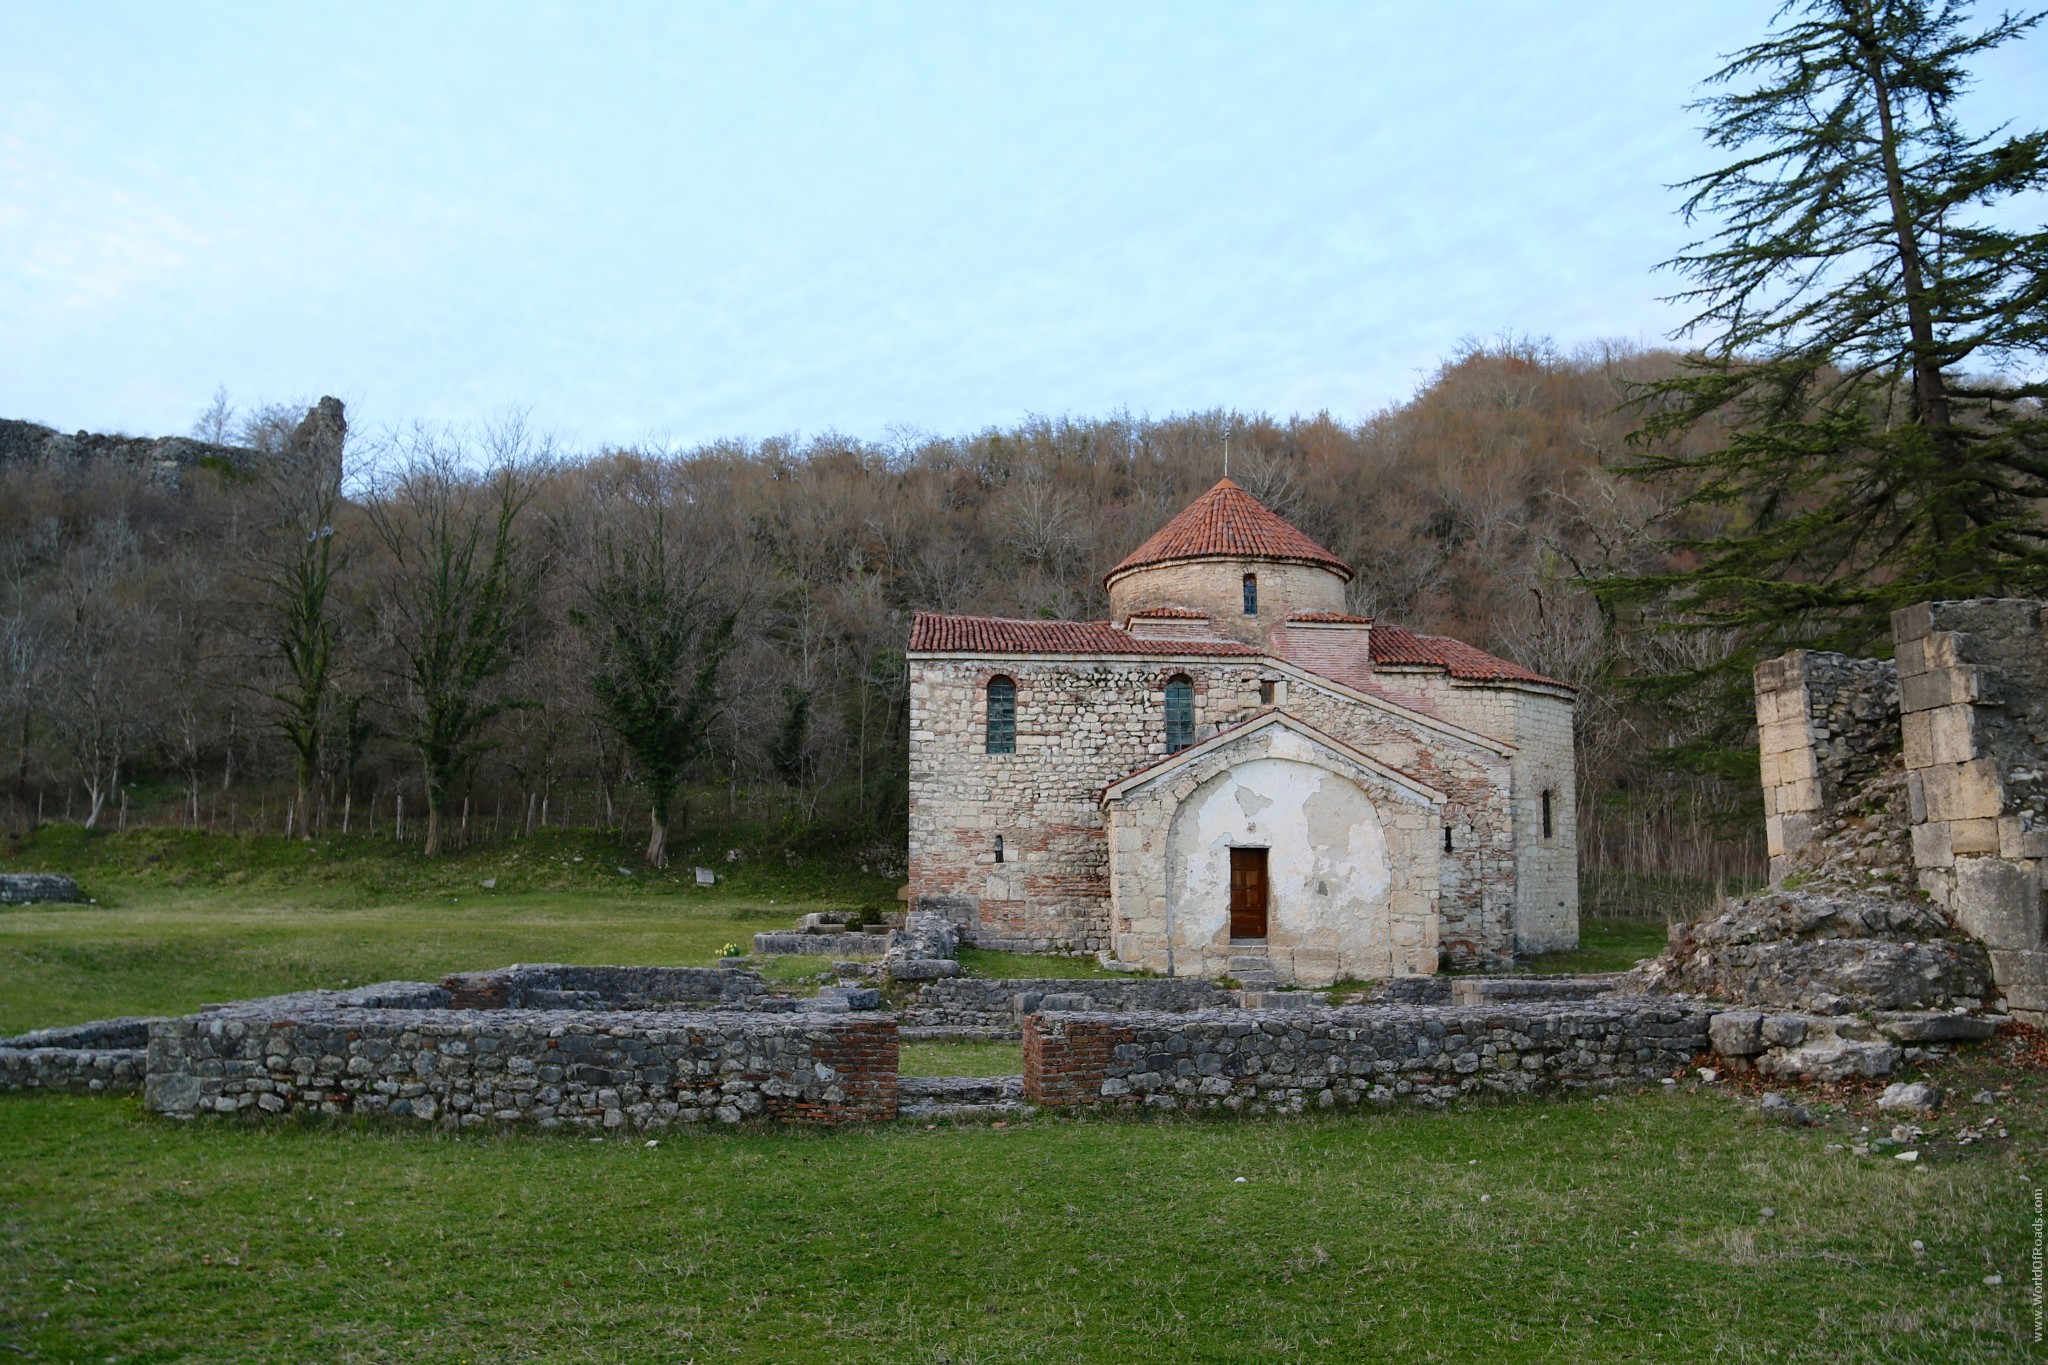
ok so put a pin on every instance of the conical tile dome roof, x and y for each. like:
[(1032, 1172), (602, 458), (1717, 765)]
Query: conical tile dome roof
[(1226, 520)]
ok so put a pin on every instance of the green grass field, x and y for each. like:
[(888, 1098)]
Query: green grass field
[(1651, 1228), (1656, 1227)]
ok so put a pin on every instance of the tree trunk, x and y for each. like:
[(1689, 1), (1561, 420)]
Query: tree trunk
[(432, 847), (304, 807), (657, 839)]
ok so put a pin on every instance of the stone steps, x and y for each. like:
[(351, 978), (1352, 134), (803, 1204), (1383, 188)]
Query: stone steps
[(1251, 969), (961, 1097)]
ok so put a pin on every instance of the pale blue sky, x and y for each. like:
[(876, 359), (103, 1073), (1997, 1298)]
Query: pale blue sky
[(690, 221)]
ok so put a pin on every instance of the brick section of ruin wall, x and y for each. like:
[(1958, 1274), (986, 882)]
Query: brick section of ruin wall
[(1266, 1062), (1084, 725), (1825, 723), (547, 1069)]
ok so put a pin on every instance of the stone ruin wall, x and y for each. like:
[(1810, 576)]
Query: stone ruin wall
[(1825, 723), (542, 1068), (1084, 724), (1966, 703), (1261, 1063)]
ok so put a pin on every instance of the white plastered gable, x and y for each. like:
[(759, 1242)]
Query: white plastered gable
[(1352, 843)]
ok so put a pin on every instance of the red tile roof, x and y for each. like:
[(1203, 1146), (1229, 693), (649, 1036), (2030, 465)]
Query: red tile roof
[(1390, 645), (1169, 614), (1330, 618), (995, 635), (1226, 520), (1395, 647)]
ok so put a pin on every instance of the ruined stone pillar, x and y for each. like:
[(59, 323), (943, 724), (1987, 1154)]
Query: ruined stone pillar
[(1825, 722), (1973, 681)]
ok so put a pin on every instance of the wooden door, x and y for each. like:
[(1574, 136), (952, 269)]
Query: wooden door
[(1248, 893)]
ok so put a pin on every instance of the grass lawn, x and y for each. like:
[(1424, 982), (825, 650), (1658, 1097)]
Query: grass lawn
[(1606, 945), (1656, 1227), (961, 1059), (184, 920), (1653, 1228)]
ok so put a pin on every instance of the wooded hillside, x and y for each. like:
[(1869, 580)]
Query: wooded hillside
[(142, 672)]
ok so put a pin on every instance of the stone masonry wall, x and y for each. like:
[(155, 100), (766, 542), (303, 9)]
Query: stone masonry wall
[(1082, 725), (80, 1071), (1973, 686), (1216, 588), (1263, 1062), (964, 1001), (559, 986), (547, 1069), (1825, 724)]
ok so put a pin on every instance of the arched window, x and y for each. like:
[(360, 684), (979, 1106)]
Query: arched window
[(999, 848), (1447, 838), (1002, 716), (1546, 815), (1251, 594), (1180, 714)]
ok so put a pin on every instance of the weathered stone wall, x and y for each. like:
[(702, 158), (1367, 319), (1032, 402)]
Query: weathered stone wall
[(1826, 723), (1504, 990), (971, 1003), (1541, 867), (29, 888), (547, 1069), (1215, 587), (837, 946), (1261, 1062), (80, 1071), (1973, 683), (558, 986), (1083, 725)]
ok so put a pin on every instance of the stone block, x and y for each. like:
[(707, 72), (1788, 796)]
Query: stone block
[(1972, 836), (1947, 687), (1736, 1033), (1913, 656), (1931, 846), (1927, 1026), (2022, 975), (1912, 623), (1964, 791), (1998, 902)]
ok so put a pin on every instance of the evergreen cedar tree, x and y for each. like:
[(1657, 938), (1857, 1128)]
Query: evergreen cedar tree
[(1871, 392)]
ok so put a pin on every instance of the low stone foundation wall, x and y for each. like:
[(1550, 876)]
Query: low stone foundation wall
[(35, 889), (81, 1071), (556, 986), (1263, 1062), (547, 1069), (104, 1057), (836, 946), (1501, 990), (993, 1003), (1414, 990)]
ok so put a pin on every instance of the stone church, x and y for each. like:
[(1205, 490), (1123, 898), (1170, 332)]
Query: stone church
[(1233, 767)]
